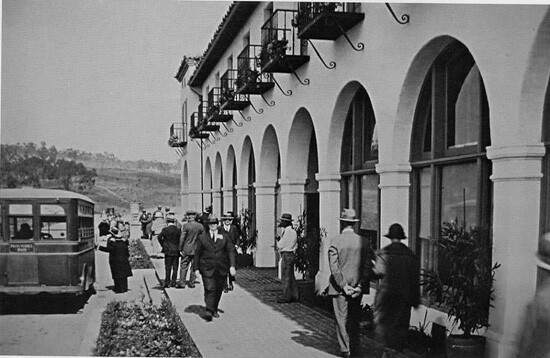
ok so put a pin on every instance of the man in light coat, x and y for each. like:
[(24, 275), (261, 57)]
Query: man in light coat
[(287, 245), (350, 260), (190, 231)]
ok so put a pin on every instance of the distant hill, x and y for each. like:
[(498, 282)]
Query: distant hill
[(119, 187)]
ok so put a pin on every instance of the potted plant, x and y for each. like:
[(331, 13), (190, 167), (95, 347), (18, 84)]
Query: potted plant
[(212, 110), (248, 239), (466, 291), (227, 95), (276, 49), (307, 253), (248, 76)]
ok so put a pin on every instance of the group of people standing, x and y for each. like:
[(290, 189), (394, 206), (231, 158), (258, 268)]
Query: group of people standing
[(206, 248)]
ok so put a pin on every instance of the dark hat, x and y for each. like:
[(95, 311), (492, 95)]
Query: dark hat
[(208, 209), (544, 251), (396, 232), (143, 210), (349, 216), (190, 212), (114, 232), (212, 219), (286, 217), (228, 216)]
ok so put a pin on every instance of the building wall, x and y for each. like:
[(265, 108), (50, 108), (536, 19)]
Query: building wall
[(511, 47)]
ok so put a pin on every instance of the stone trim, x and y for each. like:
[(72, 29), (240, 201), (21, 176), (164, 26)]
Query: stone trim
[(516, 163)]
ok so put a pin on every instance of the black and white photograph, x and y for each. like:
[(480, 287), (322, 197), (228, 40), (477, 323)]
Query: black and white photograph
[(186, 178)]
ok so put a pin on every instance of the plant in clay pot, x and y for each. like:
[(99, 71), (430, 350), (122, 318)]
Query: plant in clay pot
[(465, 291)]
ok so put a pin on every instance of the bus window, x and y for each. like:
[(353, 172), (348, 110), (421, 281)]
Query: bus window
[(20, 221), (1, 226), (53, 222), (85, 228)]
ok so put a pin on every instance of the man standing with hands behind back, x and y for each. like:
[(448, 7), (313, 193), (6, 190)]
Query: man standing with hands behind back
[(350, 264), (214, 260), (190, 231)]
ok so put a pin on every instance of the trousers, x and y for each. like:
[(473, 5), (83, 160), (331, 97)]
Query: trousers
[(186, 265), (171, 264), (290, 289), (347, 312)]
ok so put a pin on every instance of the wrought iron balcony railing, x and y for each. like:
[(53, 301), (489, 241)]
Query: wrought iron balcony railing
[(326, 21), (195, 127), (282, 50), (250, 79), (230, 99), (178, 135), (213, 111)]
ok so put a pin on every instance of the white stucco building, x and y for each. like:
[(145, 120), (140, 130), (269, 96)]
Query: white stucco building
[(440, 112)]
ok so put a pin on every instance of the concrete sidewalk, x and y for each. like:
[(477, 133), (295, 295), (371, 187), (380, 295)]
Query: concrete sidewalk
[(253, 324)]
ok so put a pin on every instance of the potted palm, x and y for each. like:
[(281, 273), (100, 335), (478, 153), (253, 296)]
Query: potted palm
[(465, 291), (248, 239)]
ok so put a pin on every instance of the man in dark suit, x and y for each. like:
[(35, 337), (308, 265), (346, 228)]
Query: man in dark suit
[(230, 229), (350, 264), (214, 260), (169, 239), (190, 231)]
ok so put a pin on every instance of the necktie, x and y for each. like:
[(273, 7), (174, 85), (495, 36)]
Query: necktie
[(213, 237)]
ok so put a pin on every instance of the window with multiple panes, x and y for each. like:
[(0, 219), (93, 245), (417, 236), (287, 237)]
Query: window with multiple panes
[(450, 176), (360, 181)]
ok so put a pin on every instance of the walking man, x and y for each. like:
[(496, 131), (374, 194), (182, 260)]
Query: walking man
[(143, 219), (169, 239), (214, 260), (398, 290), (287, 246), (230, 229), (350, 264), (190, 231)]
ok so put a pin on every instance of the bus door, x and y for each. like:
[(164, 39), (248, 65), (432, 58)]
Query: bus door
[(22, 262)]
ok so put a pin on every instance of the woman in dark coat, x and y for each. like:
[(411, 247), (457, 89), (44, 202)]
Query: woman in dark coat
[(119, 255)]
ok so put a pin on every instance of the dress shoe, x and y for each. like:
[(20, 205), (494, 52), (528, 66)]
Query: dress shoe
[(191, 285), (345, 354), (208, 316), (216, 315), (180, 285), (166, 285)]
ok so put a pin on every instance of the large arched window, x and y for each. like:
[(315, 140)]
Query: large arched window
[(359, 157), (450, 177)]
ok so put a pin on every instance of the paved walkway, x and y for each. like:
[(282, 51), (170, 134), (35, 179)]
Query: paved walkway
[(253, 324)]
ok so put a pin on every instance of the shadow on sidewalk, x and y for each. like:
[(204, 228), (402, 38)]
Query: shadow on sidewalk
[(318, 324)]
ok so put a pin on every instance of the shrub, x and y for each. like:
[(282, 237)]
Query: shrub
[(139, 258), (141, 329)]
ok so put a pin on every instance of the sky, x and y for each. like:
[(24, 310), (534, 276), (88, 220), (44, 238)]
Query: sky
[(97, 75)]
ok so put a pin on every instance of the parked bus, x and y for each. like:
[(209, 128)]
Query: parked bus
[(46, 242)]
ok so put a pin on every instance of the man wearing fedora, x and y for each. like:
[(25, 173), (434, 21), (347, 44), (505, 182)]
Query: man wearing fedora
[(230, 229), (350, 264), (398, 290), (287, 243), (190, 231), (534, 340), (169, 239), (214, 260)]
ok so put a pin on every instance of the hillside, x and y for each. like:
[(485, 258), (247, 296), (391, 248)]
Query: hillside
[(118, 187)]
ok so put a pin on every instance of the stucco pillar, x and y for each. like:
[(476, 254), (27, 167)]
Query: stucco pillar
[(227, 193), (394, 198), (292, 196), (242, 197), (329, 214), (516, 214), (217, 202), (265, 223), (195, 201)]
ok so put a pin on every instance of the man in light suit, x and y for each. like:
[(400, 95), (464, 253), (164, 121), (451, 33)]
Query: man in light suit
[(190, 231), (214, 260), (350, 264)]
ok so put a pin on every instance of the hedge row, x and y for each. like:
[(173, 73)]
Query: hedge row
[(139, 258), (143, 330)]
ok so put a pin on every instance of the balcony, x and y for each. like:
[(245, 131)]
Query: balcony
[(213, 111), (250, 80), (178, 135), (230, 99), (195, 131), (326, 21), (282, 50)]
